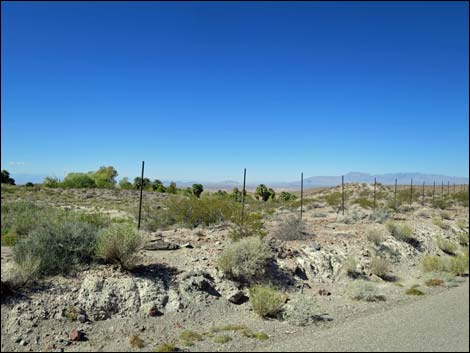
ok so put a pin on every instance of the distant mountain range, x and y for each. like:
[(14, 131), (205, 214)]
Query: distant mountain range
[(309, 182)]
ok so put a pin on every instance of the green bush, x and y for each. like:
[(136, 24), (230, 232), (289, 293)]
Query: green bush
[(446, 215), (431, 263), (51, 182), (78, 180), (446, 245), (197, 190), (458, 265), (264, 193), (266, 301), (125, 184), (246, 260), (441, 224), (441, 203), (60, 247), (363, 202), (461, 197), (287, 196), (6, 179), (334, 199), (463, 238), (105, 177), (253, 225), (119, 244)]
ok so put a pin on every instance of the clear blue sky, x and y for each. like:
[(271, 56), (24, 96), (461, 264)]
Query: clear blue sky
[(201, 90)]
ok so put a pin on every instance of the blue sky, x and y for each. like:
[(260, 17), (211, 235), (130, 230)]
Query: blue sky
[(201, 90)]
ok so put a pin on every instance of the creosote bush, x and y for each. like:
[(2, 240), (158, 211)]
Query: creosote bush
[(246, 260), (266, 301), (253, 225), (166, 347), (432, 263), (441, 224), (119, 243), (414, 291), (291, 228), (463, 238), (59, 247)]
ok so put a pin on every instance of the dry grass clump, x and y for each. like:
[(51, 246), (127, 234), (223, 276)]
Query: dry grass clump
[(136, 342), (266, 301), (463, 238), (119, 244), (463, 224), (432, 263), (379, 267), (246, 260), (434, 282), (446, 245), (291, 228), (166, 347), (222, 339), (446, 215), (258, 335), (189, 337), (375, 236), (350, 266), (365, 291), (458, 265), (402, 232), (414, 291), (441, 224)]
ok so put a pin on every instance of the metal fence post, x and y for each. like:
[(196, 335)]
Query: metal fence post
[(375, 186), (423, 193), (395, 197), (243, 196), (140, 201), (411, 192), (433, 190), (342, 187), (301, 193)]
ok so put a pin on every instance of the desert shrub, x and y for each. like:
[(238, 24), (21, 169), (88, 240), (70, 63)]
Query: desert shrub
[(125, 184), (366, 291), (463, 238), (441, 224), (462, 223), (287, 196), (253, 225), (222, 339), (414, 291), (423, 213), (136, 342), (51, 182), (197, 190), (105, 177), (441, 203), (375, 236), (458, 265), (291, 228), (301, 310), (461, 197), (446, 245), (266, 301), (434, 282), (446, 215), (166, 347), (350, 266), (258, 335), (379, 267), (78, 180), (118, 243), (379, 216), (333, 199), (246, 260), (189, 337), (60, 247), (363, 202), (29, 184), (9, 239), (6, 179), (402, 232), (440, 278), (432, 263)]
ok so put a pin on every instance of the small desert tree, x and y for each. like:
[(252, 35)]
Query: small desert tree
[(125, 184), (78, 180), (6, 179), (146, 183), (263, 192), (105, 177), (197, 190), (158, 186), (171, 189)]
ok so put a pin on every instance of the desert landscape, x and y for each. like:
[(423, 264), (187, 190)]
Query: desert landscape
[(197, 278)]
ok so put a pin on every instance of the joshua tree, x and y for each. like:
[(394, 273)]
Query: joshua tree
[(197, 189)]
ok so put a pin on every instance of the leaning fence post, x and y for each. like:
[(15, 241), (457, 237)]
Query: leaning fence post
[(243, 196), (140, 201), (301, 193), (342, 188)]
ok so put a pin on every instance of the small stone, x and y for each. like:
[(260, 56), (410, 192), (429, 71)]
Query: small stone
[(187, 245), (23, 343), (154, 312), (82, 318), (237, 297), (75, 335)]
